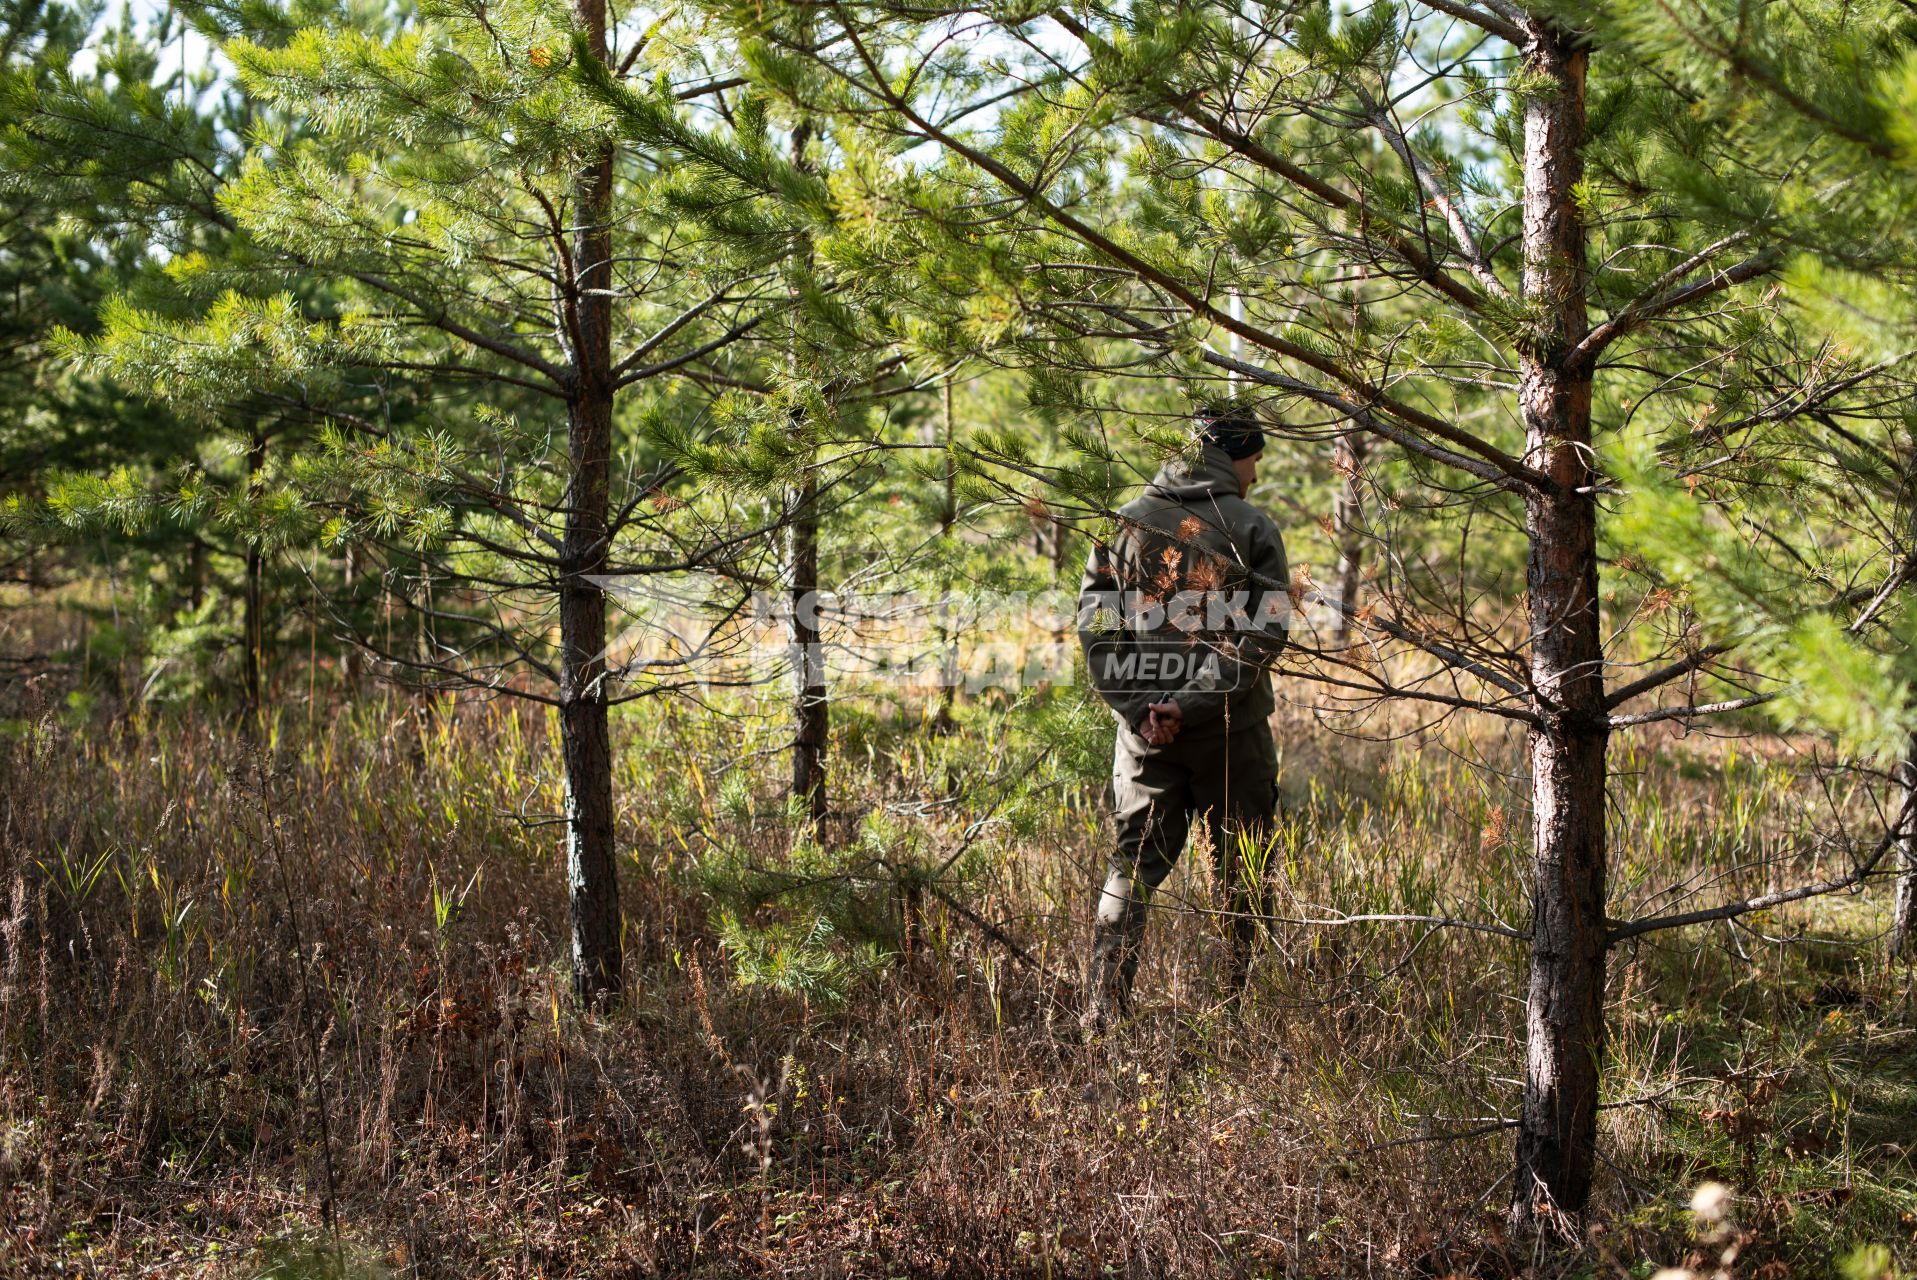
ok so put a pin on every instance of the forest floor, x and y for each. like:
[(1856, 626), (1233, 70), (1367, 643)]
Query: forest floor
[(248, 973)]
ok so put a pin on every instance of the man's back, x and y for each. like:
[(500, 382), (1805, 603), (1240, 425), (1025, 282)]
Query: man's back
[(1181, 614), (1193, 591)]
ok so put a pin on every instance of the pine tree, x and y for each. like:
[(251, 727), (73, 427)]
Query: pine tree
[(824, 379), (1835, 88), (1510, 255), (81, 460), (497, 311)]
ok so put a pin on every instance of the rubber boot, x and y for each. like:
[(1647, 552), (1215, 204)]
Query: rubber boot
[(1116, 935)]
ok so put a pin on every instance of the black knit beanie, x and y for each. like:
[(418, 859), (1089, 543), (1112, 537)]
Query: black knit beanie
[(1234, 429)]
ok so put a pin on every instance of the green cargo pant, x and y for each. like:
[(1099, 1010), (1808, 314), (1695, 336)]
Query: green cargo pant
[(1228, 782)]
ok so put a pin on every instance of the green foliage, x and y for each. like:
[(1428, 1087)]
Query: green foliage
[(805, 957), (1867, 1262), (1832, 680), (242, 350), (813, 928), (937, 299)]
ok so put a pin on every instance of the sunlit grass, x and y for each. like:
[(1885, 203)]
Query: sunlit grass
[(856, 1042)]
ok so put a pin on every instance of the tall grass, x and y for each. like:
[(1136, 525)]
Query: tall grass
[(849, 1052)]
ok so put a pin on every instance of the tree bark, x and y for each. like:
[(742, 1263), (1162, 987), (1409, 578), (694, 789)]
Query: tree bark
[(585, 738), (944, 721), (1564, 1043), (810, 711), (349, 652), (253, 607), (1903, 910), (195, 573), (1347, 522)]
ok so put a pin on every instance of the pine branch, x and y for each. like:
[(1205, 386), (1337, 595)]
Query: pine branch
[(1199, 306), (1493, 24), (438, 319), (1365, 419), (1664, 675), (1689, 712), (1621, 930), (726, 339), (1643, 310), (1475, 260), (665, 332)]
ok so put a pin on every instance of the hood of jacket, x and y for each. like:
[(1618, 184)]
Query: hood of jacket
[(1211, 476)]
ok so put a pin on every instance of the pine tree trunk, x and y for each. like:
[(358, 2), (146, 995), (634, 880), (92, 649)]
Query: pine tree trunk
[(944, 722), (585, 739), (1347, 524), (196, 574), (1565, 1010), (1903, 908), (1903, 911), (252, 623), (349, 651), (253, 607), (810, 710)]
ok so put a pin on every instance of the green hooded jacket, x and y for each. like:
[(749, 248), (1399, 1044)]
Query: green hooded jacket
[(1190, 600)]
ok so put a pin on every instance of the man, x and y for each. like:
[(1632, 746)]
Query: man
[(1180, 617)]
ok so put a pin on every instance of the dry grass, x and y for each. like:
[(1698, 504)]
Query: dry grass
[(876, 1100)]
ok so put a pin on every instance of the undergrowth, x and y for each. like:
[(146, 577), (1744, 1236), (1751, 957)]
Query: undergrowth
[(235, 957)]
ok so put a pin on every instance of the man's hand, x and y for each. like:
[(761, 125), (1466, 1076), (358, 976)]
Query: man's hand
[(1163, 720)]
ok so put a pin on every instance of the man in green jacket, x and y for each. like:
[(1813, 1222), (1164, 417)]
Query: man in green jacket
[(1180, 616)]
